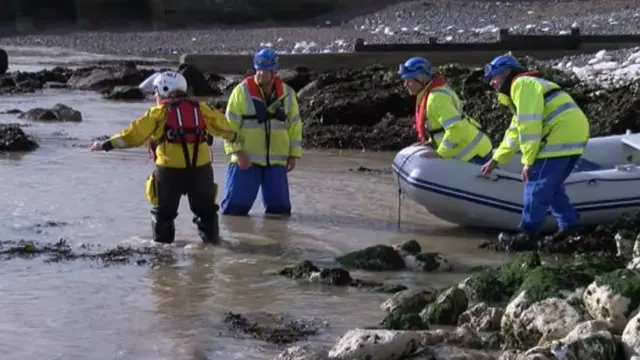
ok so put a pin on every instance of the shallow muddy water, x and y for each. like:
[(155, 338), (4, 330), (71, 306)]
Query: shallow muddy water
[(80, 310)]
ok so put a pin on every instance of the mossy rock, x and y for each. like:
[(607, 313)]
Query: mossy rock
[(597, 263), (432, 261), (411, 247), (373, 258), (512, 274), (389, 288), (550, 281), (483, 285), (402, 320), (624, 282), (447, 308), (301, 270)]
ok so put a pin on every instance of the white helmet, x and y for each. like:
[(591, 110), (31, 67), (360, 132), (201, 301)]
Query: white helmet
[(169, 81)]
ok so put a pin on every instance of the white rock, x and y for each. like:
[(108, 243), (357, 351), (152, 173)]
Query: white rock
[(631, 337), (552, 318), (634, 264), (636, 246), (482, 317), (603, 70), (603, 303), (375, 345), (624, 245), (304, 352), (456, 353)]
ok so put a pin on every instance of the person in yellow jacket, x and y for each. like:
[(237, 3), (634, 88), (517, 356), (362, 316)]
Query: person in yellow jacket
[(179, 125), (264, 110), (551, 132), (440, 121)]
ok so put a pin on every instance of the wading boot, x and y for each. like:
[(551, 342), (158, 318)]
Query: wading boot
[(163, 232), (561, 235), (522, 241), (209, 231)]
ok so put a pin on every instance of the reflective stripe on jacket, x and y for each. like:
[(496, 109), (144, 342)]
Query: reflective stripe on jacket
[(269, 141), (151, 126), (547, 122), (454, 134)]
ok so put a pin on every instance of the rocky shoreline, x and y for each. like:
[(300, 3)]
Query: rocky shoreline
[(407, 21), (585, 306), (364, 109)]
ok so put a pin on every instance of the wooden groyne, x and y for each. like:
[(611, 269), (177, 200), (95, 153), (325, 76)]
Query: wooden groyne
[(542, 47)]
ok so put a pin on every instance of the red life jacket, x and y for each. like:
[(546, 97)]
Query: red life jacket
[(262, 111), (421, 109), (528, 73), (185, 122)]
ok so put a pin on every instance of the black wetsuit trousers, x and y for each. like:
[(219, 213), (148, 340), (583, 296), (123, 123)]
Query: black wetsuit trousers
[(197, 183)]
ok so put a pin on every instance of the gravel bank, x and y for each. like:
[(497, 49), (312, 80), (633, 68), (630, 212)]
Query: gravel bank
[(410, 21)]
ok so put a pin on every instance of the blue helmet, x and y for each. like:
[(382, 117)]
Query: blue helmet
[(500, 64), (266, 59), (414, 67)]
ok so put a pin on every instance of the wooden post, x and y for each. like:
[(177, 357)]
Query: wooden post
[(503, 35)]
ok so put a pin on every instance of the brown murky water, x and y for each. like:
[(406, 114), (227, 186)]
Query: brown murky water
[(82, 311)]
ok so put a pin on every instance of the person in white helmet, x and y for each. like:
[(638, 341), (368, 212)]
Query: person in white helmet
[(180, 126)]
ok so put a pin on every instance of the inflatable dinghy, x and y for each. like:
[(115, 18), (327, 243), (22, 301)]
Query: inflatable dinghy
[(604, 185)]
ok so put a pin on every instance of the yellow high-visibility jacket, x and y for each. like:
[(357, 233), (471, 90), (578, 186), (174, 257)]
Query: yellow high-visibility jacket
[(151, 127), (454, 134), (547, 123), (269, 142)]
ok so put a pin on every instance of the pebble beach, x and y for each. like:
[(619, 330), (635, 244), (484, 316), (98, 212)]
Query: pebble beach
[(411, 21)]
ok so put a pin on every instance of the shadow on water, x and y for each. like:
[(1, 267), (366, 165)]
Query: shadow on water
[(270, 237)]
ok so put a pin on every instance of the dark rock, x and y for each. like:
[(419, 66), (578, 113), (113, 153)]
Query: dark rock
[(297, 78), (55, 85), (59, 112), (401, 320), (100, 78), (12, 112), (590, 239), (367, 170), (301, 270), (411, 247), (199, 85), (374, 258), (306, 270), (335, 276), (278, 329), (4, 61), (61, 251), (12, 138), (25, 82), (128, 93)]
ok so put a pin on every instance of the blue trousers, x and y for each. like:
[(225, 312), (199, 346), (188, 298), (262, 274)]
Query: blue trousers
[(241, 189), (545, 190)]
